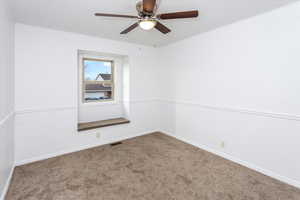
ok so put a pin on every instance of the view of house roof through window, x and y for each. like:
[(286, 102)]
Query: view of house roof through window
[(96, 69), (98, 80)]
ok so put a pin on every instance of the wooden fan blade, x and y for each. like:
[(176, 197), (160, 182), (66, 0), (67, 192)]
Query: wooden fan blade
[(114, 15), (162, 28), (149, 5), (130, 28), (177, 15)]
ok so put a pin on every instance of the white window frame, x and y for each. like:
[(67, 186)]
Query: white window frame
[(82, 58)]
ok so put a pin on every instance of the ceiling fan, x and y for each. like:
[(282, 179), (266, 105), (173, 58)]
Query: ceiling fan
[(148, 19)]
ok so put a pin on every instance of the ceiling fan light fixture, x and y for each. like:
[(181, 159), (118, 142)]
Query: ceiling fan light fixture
[(147, 24)]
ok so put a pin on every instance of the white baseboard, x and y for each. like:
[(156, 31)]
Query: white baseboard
[(5, 190), (239, 161), (72, 150)]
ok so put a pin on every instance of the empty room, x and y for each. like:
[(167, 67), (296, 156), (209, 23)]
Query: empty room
[(149, 100)]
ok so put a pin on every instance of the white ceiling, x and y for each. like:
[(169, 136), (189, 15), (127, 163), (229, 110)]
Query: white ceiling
[(78, 16)]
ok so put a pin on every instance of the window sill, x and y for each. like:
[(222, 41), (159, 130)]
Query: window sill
[(107, 103), (102, 123)]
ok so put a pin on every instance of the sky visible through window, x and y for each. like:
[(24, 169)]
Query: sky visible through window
[(93, 67)]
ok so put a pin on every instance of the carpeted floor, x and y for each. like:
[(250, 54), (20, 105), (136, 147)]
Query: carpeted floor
[(151, 167)]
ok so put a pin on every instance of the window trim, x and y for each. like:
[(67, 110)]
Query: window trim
[(83, 58)]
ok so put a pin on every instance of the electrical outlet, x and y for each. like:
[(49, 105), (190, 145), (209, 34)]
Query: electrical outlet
[(98, 135), (222, 144)]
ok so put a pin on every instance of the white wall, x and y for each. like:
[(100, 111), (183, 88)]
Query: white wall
[(47, 92), (6, 96), (240, 84)]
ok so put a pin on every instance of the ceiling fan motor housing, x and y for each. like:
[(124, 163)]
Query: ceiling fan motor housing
[(141, 12)]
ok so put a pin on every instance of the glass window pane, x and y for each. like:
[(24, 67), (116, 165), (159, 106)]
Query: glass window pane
[(97, 91), (97, 70)]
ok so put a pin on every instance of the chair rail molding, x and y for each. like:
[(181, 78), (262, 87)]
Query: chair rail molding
[(58, 108), (8, 116), (285, 116)]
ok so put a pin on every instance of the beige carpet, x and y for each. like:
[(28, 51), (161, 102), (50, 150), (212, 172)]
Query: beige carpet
[(151, 167)]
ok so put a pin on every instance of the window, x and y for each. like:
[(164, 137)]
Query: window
[(97, 80)]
